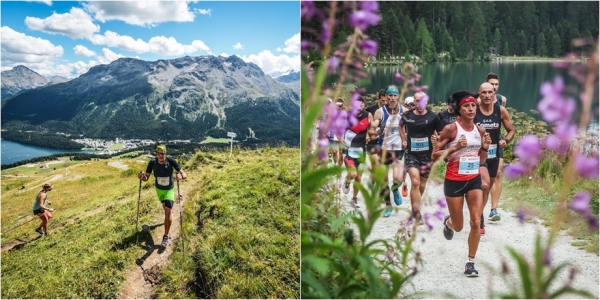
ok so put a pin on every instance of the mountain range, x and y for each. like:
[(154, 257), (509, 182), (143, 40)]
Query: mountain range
[(21, 78), (187, 97)]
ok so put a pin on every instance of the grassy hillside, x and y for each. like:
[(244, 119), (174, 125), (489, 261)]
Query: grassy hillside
[(92, 244)]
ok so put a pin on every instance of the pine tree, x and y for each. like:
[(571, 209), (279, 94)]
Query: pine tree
[(541, 45)]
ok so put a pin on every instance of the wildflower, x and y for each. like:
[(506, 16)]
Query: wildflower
[(442, 202), (592, 222), (363, 19), (305, 46), (369, 47), (521, 214), (370, 6), (307, 9), (547, 259), (552, 142), (581, 203), (440, 214), (553, 107), (398, 76), (332, 64), (515, 170), (587, 167), (528, 149), (326, 33), (565, 132)]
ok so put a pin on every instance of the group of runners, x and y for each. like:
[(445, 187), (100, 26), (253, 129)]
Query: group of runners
[(166, 170), (467, 135)]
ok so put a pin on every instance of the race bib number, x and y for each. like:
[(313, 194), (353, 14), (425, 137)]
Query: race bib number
[(492, 150), (419, 144), (468, 166), (164, 181), (355, 152)]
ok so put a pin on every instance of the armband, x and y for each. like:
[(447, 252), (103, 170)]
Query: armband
[(484, 149)]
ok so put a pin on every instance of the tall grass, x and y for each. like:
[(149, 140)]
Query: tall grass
[(242, 228)]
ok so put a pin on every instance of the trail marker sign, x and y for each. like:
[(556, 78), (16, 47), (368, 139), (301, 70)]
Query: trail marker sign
[(231, 134)]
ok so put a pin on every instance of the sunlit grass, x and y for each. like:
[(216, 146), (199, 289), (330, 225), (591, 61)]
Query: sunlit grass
[(215, 140)]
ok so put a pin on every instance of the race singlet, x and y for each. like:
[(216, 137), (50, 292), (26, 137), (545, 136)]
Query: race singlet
[(419, 144), (355, 152), (468, 165), (492, 150), (164, 181)]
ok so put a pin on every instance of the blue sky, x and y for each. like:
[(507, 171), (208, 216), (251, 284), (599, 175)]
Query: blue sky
[(68, 38)]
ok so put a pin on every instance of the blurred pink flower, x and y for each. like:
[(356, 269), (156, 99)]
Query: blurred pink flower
[(554, 107), (515, 170), (528, 149), (370, 6), (581, 202), (307, 9), (565, 132), (423, 103), (398, 76), (553, 143), (587, 167), (442, 202), (369, 47), (332, 64), (363, 19)]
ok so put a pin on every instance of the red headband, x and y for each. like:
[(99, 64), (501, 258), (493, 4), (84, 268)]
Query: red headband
[(467, 100)]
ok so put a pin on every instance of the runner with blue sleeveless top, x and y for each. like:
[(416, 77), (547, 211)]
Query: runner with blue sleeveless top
[(386, 122), (163, 167), (418, 129), (40, 208)]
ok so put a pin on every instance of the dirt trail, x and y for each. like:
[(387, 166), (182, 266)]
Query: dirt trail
[(442, 274), (140, 280)]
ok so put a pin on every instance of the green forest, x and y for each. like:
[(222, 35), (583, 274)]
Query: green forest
[(450, 31)]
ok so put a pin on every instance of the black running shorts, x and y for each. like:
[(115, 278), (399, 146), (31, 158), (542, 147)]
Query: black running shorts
[(420, 161), (454, 188)]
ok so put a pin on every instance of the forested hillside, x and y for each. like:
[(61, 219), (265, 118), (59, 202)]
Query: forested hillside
[(474, 30)]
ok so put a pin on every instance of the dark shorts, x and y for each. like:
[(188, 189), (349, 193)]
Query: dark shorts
[(420, 161), (38, 211), (453, 188), (373, 148), (492, 166), (168, 203), (500, 152)]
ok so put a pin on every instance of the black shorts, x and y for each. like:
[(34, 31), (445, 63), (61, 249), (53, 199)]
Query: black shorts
[(454, 188), (351, 161), (373, 148), (500, 152), (390, 154), (492, 166), (420, 161), (168, 203), (38, 211)]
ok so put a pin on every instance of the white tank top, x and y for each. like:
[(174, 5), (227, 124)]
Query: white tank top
[(391, 140), (464, 163)]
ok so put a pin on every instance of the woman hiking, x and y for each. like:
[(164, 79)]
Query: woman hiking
[(40, 208)]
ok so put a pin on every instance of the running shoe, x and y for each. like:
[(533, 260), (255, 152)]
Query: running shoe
[(482, 231), (397, 197), (346, 188), (448, 233), (388, 212), (355, 202), (470, 270), (39, 230), (494, 215), (404, 190), (164, 241)]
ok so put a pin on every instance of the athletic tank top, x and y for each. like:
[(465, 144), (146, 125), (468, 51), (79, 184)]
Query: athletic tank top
[(356, 135), (492, 125), (36, 203), (390, 137), (463, 164)]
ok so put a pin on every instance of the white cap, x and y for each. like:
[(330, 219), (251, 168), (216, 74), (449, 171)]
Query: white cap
[(409, 100)]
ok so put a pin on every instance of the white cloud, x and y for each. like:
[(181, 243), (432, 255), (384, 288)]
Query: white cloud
[(108, 56), (157, 45), (269, 62), (83, 51), (238, 46), (47, 2), (142, 13), (224, 54), (123, 42), (292, 45), (75, 24), (203, 11), (18, 48)]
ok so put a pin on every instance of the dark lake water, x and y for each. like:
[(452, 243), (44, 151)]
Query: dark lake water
[(519, 81), (13, 151)]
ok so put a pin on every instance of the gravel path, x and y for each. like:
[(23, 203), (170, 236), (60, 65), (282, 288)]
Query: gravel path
[(442, 274)]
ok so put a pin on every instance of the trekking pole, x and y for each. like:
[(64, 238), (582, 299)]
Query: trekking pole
[(180, 217), (138, 212), (19, 225)]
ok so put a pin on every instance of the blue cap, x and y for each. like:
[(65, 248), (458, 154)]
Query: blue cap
[(392, 91)]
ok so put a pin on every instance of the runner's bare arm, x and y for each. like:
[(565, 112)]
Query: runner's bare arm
[(445, 137), (510, 129), (485, 144)]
